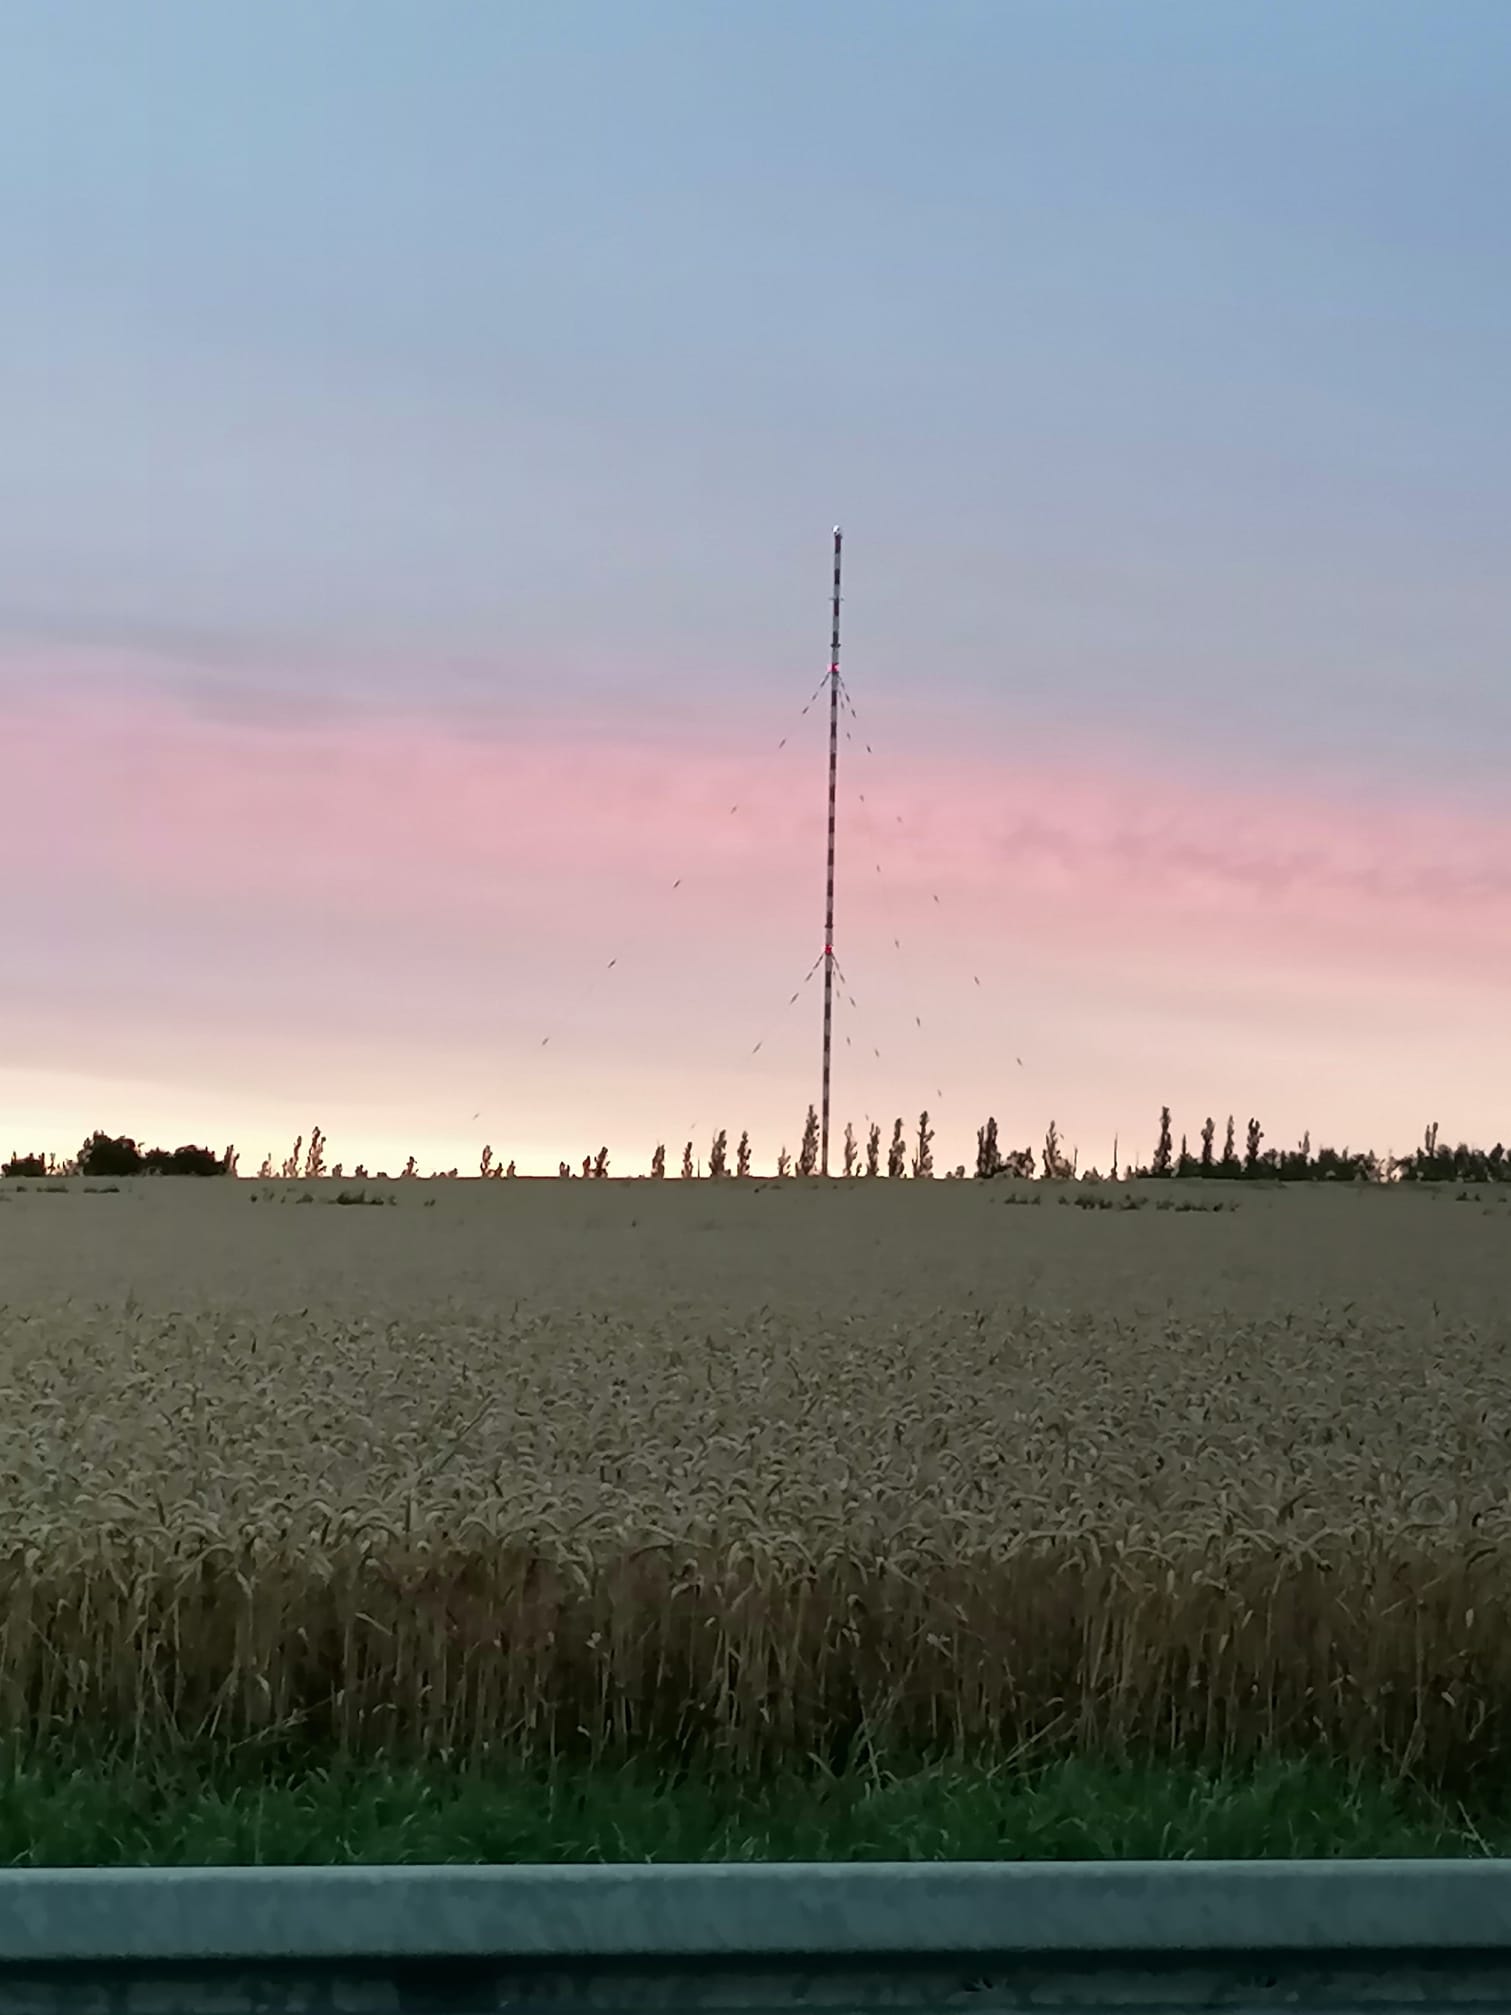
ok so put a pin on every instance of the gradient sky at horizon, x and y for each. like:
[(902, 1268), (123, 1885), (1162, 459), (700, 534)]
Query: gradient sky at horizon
[(424, 424)]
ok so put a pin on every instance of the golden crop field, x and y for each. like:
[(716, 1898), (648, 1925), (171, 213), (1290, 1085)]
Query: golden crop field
[(749, 1467)]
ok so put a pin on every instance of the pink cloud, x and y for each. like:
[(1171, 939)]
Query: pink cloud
[(394, 815), (297, 892)]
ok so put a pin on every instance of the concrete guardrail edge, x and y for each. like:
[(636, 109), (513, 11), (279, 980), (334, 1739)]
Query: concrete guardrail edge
[(736, 1909)]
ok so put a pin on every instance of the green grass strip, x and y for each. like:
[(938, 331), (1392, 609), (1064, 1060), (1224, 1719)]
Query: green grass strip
[(56, 1814)]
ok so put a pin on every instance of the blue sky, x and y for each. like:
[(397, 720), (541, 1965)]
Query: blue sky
[(1148, 349), (520, 357)]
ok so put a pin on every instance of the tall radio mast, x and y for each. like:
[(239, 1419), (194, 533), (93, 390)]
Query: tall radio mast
[(829, 894)]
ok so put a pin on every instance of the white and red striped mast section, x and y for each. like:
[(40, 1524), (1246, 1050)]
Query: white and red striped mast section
[(829, 897)]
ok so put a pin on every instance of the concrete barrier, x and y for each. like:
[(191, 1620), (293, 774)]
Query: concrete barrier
[(752, 1936)]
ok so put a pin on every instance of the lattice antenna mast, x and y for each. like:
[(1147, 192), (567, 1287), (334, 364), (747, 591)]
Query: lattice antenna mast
[(829, 887)]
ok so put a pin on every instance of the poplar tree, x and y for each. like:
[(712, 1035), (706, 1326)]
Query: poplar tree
[(1161, 1164), (1229, 1150), (807, 1159), (923, 1158)]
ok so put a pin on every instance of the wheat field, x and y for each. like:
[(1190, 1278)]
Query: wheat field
[(748, 1470)]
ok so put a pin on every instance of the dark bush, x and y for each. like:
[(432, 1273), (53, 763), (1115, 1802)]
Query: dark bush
[(100, 1155), (182, 1161)]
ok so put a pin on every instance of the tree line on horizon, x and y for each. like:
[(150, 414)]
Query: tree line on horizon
[(107, 1155)]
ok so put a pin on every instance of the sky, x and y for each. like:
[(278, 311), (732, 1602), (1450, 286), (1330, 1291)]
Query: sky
[(424, 426)]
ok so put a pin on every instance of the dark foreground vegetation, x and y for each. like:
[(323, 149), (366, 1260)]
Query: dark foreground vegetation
[(72, 1810)]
